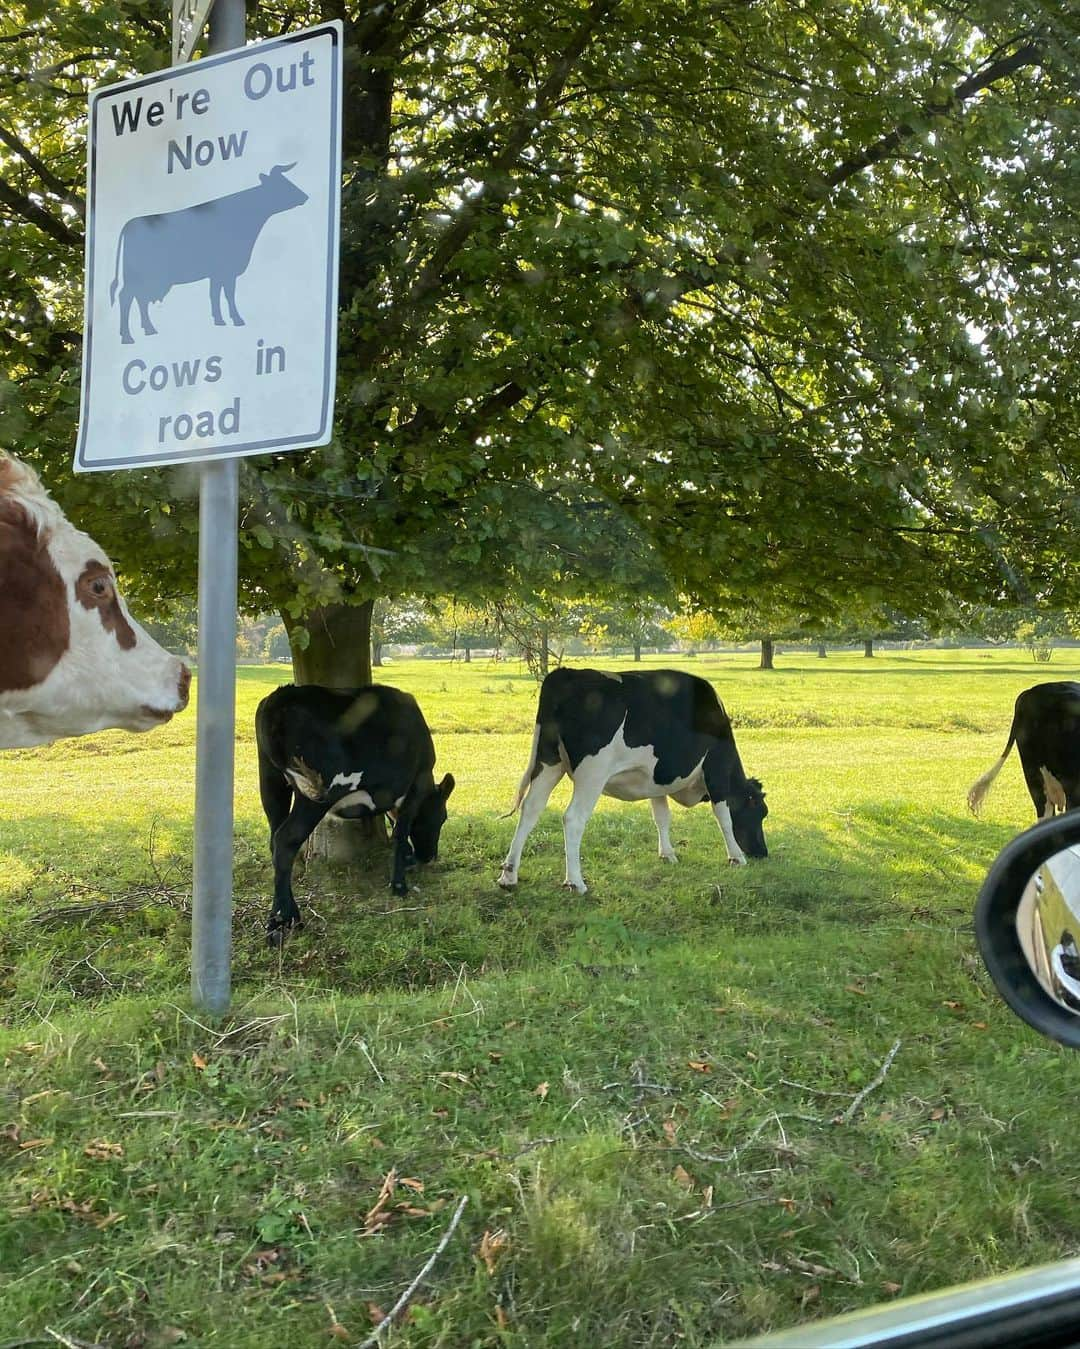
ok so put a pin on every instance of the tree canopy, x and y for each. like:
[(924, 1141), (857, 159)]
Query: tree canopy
[(784, 296)]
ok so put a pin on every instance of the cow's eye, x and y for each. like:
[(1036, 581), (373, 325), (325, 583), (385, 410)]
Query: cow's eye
[(100, 587)]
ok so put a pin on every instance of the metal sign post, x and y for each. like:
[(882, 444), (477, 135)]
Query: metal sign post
[(213, 192)]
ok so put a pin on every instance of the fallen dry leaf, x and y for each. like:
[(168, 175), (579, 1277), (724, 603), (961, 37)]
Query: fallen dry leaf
[(377, 1215), (338, 1331), (890, 1287), (699, 1066), (851, 988), (411, 1183), (789, 1204), (493, 1246), (501, 1318), (34, 1143), (378, 1316), (541, 1090), (670, 1128), (198, 1061), (939, 1113), (101, 1150), (980, 1025), (451, 1076), (683, 1177)]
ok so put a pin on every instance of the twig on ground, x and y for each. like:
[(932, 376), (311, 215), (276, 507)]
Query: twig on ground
[(367, 1055), (70, 1342), (849, 1113), (403, 1301)]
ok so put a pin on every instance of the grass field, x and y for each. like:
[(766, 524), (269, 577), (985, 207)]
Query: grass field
[(646, 1093)]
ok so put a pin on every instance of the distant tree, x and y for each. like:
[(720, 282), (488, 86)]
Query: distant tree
[(461, 626), (633, 623), (276, 643), (400, 620)]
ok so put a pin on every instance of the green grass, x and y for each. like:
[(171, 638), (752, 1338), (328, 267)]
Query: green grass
[(631, 1087)]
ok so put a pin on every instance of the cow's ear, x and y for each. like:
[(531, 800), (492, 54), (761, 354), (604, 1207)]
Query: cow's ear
[(264, 178), (446, 786)]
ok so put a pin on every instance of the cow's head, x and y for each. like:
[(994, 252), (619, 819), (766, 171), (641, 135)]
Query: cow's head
[(72, 659), (279, 193), (430, 818), (748, 811)]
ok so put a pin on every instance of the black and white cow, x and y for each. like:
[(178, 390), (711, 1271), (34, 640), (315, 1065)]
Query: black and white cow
[(636, 736), (1046, 732), (354, 753)]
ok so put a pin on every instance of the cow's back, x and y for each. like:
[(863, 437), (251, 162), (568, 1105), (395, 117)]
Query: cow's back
[(668, 709), (379, 723)]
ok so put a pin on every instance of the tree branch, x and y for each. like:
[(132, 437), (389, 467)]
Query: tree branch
[(1027, 55), (54, 184), (30, 211)]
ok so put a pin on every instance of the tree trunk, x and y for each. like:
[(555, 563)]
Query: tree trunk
[(822, 653), (637, 651), (767, 648), (544, 659), (868, 646), (339, 656), (376, 654), (339, 652), (468, 654)]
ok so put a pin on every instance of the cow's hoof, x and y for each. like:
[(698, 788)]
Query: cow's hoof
[(507, 880), (400, 890), (668, 857), (736, 861), (277, 932), (581, 889)]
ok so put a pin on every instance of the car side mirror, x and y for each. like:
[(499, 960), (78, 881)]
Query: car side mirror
[(1027, 923)]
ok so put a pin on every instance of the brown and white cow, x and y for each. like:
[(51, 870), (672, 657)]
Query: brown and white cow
[(72, 659)]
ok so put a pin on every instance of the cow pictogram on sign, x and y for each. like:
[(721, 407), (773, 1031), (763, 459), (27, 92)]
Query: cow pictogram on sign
[(211, 241)]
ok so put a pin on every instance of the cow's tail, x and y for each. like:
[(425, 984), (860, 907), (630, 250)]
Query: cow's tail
[(526, 777), (978, 789), (116, 269)]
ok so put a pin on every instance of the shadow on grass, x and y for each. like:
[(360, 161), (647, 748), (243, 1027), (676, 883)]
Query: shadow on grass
[(114, 915)]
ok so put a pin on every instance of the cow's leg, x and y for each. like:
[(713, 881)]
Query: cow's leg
[(215, 302), (144, 317), (1055, 794), (1044, 807), (532, 807), (736, 856), (230, 300), (125, 299), (288, 839), (403, 851), (588, 787), (661, 813)]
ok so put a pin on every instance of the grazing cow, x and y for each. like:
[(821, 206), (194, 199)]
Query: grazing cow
[(1046, 731), (632, 736), (210, 241), (353, 753), (72, 659)]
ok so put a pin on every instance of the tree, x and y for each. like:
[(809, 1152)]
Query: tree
[(400, 620), (634, 622), (790, 302)]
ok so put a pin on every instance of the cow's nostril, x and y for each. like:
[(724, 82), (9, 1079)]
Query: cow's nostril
[(183, 684)]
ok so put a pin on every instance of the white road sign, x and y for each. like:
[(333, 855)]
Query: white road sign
[(212, 257)]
